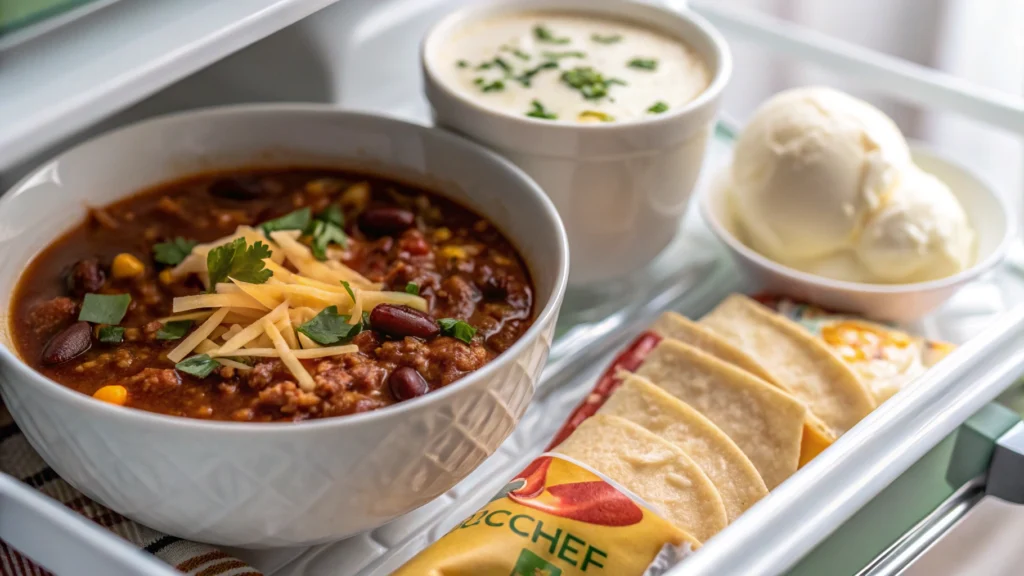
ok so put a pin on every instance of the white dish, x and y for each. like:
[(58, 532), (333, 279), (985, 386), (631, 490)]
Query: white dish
[(621, 188), (277, 484), (987, 212)]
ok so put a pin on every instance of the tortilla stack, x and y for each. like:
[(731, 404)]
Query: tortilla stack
[(640, 401), (654, 469), (765, 422), (795, 358), (817, 434)]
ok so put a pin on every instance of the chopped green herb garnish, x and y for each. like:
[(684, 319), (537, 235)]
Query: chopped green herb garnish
[(485, 66), (478, 81), (500, 63), (527, 76), (173, 252), (325, 233), (462, 64), (200, 365), (537, 110), (591, 83), (333, 215), (516, 52), (366, 320), (457, 329), (348, 288), (174, 330), (542, 33), (328, 327), (412, 288), (657, 108), (496, 86), (239, 261), (643, 63), (566, 54), (297, 220), (104, 308), (111, 334), (588, 114), (609, 39)]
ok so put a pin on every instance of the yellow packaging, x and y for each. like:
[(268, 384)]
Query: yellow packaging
[(556, 518)]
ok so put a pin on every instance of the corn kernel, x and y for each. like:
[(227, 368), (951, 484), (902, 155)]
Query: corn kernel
[(322, 186), (442, 235), (166, 277), (113, 394), (127, 266), (456, 252), (356, 196)]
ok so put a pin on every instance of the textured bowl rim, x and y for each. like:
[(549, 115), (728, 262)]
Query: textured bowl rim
[(979, 267), (21, 370), (719, 80)]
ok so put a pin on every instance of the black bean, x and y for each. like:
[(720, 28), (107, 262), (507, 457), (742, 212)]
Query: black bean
[(401, 321), (385, 221), (406, 383), (237, 188), (85, 276), (67, 344)]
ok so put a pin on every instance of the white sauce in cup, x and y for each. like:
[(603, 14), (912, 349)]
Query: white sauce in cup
[(568, 67)]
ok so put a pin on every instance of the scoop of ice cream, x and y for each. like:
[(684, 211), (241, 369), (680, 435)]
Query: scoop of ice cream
[(920, 233), (808, 168)]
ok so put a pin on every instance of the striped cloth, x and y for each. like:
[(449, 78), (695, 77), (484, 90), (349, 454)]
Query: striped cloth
[(19, 460)]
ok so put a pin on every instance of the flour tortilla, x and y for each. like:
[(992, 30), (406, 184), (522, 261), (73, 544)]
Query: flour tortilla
[(643, 403), (795, 358), (817, 434), (652, 468), (765, 422)]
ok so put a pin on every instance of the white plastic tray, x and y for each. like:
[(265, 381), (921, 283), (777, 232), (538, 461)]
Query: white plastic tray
[(362, 54)]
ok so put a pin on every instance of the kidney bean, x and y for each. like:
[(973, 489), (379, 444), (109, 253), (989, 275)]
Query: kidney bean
[(85, 276), (237, 188), (385, 221), (67, 344), (401, 321), (406, 383)]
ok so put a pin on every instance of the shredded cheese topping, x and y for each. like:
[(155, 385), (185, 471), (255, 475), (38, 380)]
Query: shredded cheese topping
[(241, 319)]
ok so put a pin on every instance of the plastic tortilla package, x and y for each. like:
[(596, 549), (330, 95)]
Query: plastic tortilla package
[(557, 518)]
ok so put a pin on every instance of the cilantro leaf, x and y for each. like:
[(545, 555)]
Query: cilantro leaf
[(412, 288), (657, 108), (544, 34), (609, 39), (200, 365), (104, 308), (333, 215), (297, 220), (643, 63), (238, 261), (325, 233), (173, 252), (111, 334), (328, 327), (174, 330), (366, 320), (457, 329), (348, 288)]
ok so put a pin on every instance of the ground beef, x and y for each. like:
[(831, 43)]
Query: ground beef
[(154, 380), (457, 298), (49, 316), (288, 398)]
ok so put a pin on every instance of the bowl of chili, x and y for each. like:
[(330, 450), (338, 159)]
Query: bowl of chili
[(274, 325)]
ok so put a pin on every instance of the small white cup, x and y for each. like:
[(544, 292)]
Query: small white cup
[(987, 212), (620, 188)]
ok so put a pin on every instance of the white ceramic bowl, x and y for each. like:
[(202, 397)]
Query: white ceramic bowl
[(277, 484), (990, 217), (621, 188)]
